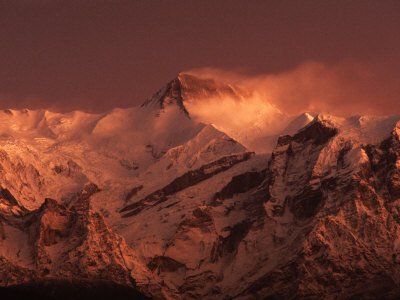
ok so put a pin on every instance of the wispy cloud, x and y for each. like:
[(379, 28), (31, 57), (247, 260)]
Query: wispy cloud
[(346, 88)]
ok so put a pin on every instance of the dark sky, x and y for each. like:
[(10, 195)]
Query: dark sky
[(95, 55)]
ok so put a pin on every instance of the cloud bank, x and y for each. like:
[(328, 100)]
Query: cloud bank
[(343, 89), (346, 88)]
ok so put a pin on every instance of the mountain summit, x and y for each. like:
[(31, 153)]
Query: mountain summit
[(242, 114), (187, 87)]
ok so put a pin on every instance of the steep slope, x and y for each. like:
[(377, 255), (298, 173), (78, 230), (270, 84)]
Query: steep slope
[(208, 145), (297, 123), (340, 231)]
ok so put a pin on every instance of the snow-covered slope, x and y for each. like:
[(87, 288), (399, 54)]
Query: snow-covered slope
[(46, 154)]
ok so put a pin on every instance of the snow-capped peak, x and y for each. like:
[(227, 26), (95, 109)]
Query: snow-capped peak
[(298, 123), (186, 87)]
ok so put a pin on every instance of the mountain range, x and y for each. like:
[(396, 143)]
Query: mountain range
[(196, 194)]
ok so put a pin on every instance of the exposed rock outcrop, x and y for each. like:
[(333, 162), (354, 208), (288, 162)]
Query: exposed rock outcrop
[(322, 221), (72, 242), (186, 180)]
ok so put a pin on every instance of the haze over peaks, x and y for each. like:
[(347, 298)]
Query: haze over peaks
[(239, 112)]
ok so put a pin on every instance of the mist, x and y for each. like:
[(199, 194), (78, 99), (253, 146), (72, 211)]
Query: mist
[(346, 88), (343, 89)]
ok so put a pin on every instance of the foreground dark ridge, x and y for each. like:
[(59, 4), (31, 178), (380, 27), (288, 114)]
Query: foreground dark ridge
[(71, 289)]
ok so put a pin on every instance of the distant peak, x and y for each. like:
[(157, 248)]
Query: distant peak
[(298, 123), (328, 120), (169, 94), (186, 87)]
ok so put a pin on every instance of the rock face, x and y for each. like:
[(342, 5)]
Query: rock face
[(334, 200), (69, 242), (321, 221), (184, 181)]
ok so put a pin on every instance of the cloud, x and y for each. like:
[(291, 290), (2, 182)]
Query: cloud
[(345, 88)]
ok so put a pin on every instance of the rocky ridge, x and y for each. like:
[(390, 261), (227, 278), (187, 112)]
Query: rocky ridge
[(67, 241)]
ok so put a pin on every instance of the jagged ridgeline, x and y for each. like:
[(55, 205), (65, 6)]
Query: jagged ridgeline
[(167, 201)]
